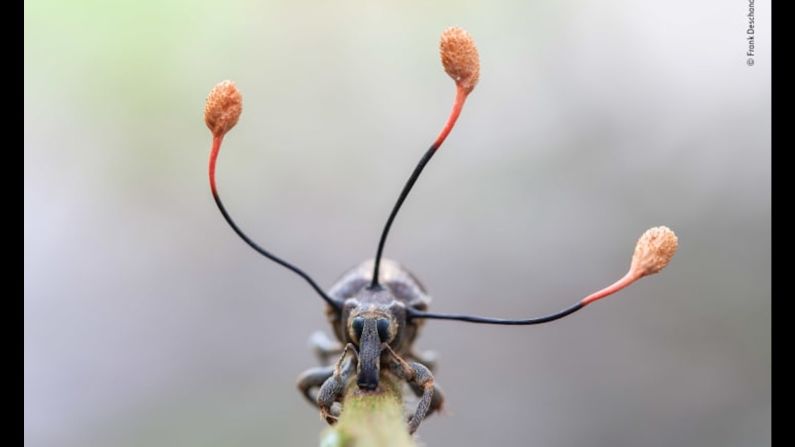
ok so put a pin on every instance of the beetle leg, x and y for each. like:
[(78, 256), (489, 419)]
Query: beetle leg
[(437, 401), (416, 374), (332, 388), (313, 378), (324, 346)]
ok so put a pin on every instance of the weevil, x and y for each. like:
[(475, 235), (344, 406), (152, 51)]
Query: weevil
[(377, 308)]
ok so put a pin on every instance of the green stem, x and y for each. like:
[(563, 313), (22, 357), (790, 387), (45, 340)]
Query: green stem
[(371, 419)]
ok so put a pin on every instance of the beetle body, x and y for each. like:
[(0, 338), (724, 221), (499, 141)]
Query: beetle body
[(399, 290), (372, 326)]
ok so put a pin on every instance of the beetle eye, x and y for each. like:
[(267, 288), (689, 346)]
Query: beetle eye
[(383, 329), (358, 326)]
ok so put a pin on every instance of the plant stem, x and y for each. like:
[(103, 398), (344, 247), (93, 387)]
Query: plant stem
[(371, 419)]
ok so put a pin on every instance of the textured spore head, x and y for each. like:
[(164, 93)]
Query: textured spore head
[(460, 57), (654, 251), (223, 107)]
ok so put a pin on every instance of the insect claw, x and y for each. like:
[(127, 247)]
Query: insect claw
[(328, 416)]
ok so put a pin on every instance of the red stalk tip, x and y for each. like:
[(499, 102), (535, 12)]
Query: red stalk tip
[(458, 105)]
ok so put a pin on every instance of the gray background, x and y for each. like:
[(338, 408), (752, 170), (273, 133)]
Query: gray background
[(147, 322)]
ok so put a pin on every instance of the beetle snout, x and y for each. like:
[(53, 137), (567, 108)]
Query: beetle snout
[(369, 354), (367, 383)]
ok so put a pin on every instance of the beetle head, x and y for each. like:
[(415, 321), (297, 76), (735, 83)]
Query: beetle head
[(373, 318)]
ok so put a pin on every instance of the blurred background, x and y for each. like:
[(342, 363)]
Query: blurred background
[(148, 322)]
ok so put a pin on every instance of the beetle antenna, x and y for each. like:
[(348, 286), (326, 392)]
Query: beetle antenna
[(461, 61), (221, 112), (653, 252)]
